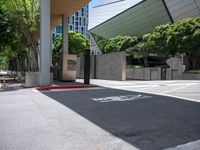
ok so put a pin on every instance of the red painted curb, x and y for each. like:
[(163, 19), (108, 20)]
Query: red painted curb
[(64, 87)]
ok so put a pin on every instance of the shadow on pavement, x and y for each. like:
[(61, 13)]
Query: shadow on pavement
[(150, 123)]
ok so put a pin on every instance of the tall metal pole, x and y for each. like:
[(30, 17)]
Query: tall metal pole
[(87, 67)]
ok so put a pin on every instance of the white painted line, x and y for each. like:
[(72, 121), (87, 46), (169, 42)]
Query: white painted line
[(167, 95), (160, 94), (177, 89)]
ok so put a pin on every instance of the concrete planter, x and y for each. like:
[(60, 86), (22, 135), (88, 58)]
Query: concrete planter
[(191, 76), (143, 73), (33, 79)]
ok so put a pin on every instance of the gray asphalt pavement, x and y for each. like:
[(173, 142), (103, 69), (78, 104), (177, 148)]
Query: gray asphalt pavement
[(148, 122)]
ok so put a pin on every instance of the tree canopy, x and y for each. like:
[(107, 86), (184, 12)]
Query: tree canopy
[(180, 37), (77, 45), (120, 43), (24, 14)]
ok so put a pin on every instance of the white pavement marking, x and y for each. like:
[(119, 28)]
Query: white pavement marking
[(152, 87), (167, 95), (177, 89), (120, 98)]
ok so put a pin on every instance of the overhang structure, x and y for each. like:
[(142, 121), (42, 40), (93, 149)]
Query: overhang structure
[(139, 18), (66, 7), (52, 13)]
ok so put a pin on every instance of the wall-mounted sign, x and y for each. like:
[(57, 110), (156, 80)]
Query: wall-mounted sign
[(71, 65)]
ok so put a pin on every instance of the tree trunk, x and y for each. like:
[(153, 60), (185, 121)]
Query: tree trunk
[(194, 60)]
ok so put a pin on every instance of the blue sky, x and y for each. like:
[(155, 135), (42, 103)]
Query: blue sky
[(94, 3)]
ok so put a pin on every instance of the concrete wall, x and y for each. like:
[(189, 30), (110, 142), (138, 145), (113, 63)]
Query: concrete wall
[(108, 66), (143, 73), (111, 66), (80, 67), (175, 72), (190, 76)]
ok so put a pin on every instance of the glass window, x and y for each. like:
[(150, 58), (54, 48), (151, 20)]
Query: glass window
[(80, 21), (59, 29), (82, 11), (82, 30), (84, 22)]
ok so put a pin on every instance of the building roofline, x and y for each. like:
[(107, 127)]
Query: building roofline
[(108, 3), (118, 14)]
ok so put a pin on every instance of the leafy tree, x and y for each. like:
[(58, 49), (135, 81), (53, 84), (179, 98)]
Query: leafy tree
[(77, 45), (6, 30), (184, 37), (156, 42), (3, 62), (121, 43), (25, 15), (12, 51), (180, 37)]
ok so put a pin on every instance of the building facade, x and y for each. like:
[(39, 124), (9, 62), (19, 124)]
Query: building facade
[(137, 17), (77, 22)]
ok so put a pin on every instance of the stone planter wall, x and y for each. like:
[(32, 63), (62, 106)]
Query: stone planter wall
[(191, 76), (33, 79), (143, 73)]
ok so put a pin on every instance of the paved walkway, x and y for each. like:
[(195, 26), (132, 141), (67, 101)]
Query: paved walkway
[(30, 120)]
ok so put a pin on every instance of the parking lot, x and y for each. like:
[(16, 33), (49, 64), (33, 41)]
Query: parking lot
[(184, 89)]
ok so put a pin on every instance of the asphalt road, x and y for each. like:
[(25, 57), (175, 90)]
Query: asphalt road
[(146, 121)]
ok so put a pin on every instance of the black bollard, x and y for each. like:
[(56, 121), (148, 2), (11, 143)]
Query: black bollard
[(87, 67)]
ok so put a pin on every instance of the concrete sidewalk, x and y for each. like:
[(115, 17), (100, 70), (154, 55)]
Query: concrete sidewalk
[(33, 121)]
